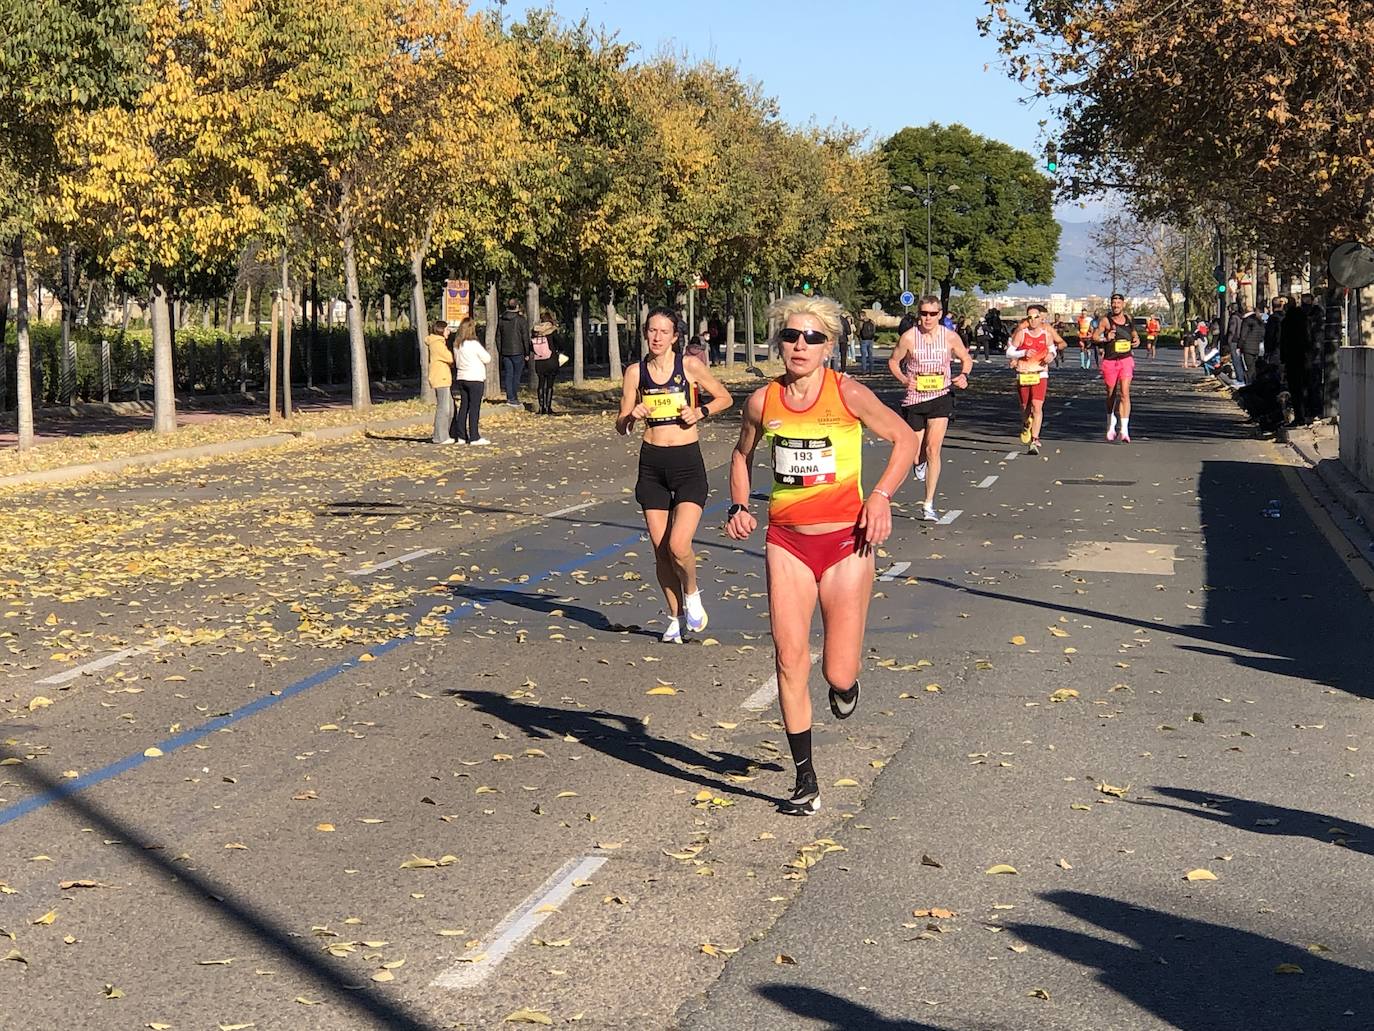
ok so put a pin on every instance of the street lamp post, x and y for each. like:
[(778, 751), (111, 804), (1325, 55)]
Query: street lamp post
[(906, 264), (929, 198)]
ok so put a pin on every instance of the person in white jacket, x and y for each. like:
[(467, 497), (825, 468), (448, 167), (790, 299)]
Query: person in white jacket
[(470, 360)]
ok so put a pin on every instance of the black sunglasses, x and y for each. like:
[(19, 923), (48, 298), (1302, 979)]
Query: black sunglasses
[(931, 314), (814, 337)]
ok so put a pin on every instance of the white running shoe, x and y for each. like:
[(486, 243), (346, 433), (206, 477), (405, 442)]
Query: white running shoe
[(480, 440), (1111, 434), (696, 613), (672, 635), (921, 472), (929, 514), (446, 440)]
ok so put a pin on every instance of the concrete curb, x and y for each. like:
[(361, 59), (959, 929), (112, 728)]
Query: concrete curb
[(66, 473), (1352, 495)]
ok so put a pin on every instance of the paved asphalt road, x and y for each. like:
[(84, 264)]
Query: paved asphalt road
[(471, 789)]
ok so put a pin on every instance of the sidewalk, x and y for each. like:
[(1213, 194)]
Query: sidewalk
[(1319, 446)]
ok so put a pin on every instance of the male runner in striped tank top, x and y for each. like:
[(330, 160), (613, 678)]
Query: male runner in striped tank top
[(921, 363)]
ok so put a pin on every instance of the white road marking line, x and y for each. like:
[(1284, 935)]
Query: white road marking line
[(896, 570), (949, 517), (571, 508), (104, 661), (764, 697), (988, 481), (470, 970), (369, 570), (1011, 455)]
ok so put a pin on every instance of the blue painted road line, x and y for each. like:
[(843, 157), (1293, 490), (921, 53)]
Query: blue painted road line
[(261, 704)]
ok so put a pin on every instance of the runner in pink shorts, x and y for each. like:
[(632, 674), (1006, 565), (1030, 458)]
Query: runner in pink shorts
[(1118, 338)]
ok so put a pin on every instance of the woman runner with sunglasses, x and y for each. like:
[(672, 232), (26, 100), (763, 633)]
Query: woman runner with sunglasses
[(821, 529), (921, 363), (663, 389), (1033, 346)]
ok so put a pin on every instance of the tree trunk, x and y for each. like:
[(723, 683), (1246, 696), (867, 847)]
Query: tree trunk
[(418, 317), (4, 321), (643, 325), (532, 301), (494, 366), (357, 346), (248, 306), (164, 392), (66, 389), (23, 383), (229, 311), (749, 342), (578, 342), (613, 338), (104, 368), (386, 314), (272, 411), (730, 327), (286, 320)]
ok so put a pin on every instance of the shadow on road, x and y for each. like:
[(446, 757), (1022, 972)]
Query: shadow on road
[(623, 738), (1199, 976), (843, 1015), (1248, 815), (221, 903), (547, 604)]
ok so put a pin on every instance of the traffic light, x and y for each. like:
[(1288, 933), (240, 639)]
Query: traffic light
[(1219, 274), (1051, 157), (806, 288)]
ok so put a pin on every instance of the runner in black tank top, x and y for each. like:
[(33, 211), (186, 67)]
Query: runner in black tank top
[(662, 390), (1118, 337)]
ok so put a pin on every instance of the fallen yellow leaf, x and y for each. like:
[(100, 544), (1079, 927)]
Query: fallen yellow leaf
[(1000, 868), (1199, 875)]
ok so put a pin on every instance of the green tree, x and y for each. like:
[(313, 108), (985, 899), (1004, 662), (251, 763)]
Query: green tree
[(57, 58), (991, 211)]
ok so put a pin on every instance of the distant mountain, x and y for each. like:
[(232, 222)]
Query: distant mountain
[(1071, 274)]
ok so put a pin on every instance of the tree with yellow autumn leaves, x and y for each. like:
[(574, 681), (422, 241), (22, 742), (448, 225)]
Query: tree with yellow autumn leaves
[(408, 133)]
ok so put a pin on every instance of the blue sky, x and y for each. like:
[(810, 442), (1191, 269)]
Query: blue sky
[(877, 65)]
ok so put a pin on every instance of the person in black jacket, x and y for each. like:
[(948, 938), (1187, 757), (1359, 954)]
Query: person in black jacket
[(1293, 350), (513, 344)]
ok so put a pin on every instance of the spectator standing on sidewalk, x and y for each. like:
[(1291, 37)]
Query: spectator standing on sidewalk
[(441, 379), (546, 363), (1294, 347), (470, 360), (513, 344), (1273, 329), (868, 333), (1245, 334)]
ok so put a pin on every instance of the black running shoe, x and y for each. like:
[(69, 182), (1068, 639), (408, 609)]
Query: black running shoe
[(843, 703), (806, 796)]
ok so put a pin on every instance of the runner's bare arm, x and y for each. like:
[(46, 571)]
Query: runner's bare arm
[(905, 343), (876, 518), (961, 352), (742, 523), (630, 408), (700, 374)]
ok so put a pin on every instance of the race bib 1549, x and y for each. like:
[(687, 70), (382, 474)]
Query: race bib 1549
[(666, 406), (803, 462)]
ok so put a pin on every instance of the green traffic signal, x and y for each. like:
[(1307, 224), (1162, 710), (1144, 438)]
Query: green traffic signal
[(1051, 157), (1221, 288)]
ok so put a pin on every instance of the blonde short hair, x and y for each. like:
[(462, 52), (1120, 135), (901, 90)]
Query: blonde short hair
[(825, 310)]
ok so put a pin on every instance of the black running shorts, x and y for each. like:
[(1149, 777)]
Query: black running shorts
[(916, 415), (669, 475)]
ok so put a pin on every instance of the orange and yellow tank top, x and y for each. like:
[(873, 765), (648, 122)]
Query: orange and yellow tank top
[(817, 457)]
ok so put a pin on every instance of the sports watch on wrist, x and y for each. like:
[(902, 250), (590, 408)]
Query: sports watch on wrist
[(730, 512)]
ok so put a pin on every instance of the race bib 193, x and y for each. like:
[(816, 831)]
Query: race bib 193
[(1028, 379), (928, 382), (803, 462), (666, 407), (1121, 346)]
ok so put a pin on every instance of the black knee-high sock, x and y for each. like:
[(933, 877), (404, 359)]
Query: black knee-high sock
[(800, 744)]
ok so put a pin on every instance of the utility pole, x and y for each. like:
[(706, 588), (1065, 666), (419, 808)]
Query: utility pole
[(929, 199)]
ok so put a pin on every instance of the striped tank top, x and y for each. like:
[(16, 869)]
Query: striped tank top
[(929, 364), (817, 457)]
